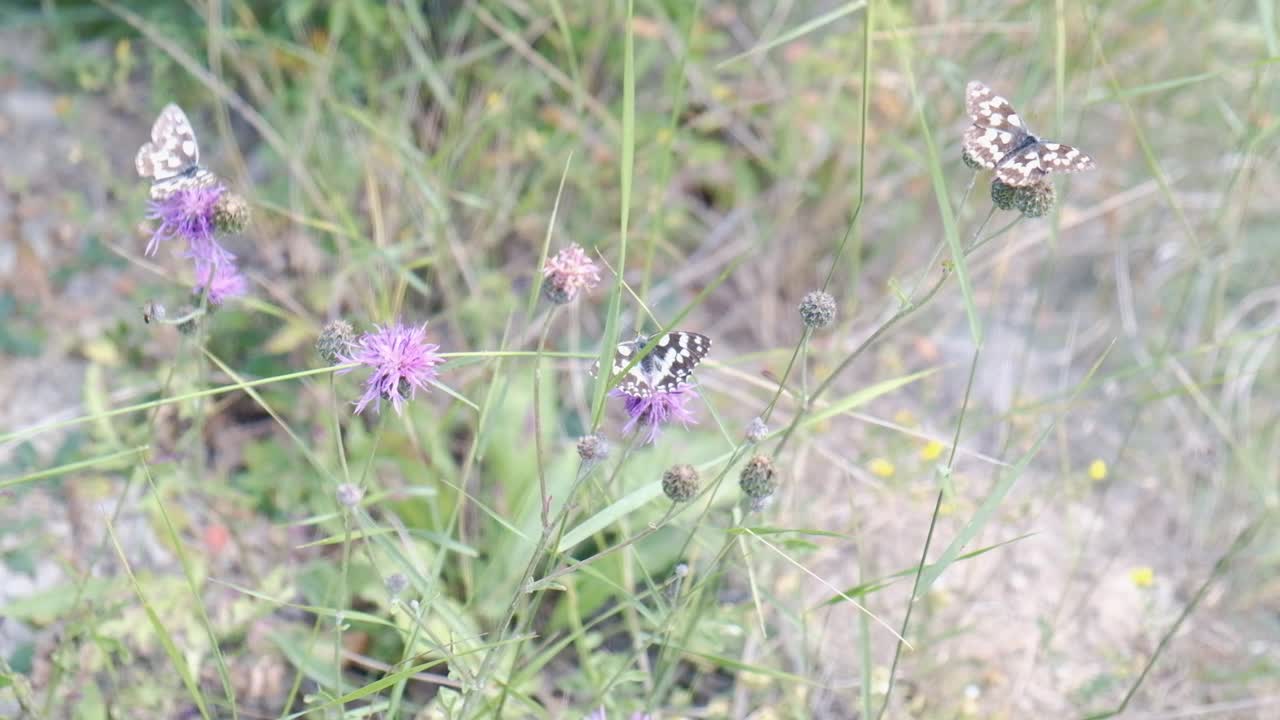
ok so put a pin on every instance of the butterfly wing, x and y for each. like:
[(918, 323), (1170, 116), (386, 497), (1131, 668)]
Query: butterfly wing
[(173, 149), (996, 130), (670, 362), (1030, 165), (635, 381), (675, 357)]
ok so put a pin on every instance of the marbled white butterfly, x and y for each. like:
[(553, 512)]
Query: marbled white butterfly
[(998, 140), (662, 370), (172, 158)]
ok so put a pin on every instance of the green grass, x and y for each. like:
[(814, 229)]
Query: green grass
[(171, 534)]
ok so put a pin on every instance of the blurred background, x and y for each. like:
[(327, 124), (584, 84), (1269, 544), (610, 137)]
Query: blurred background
[(1117, 429)]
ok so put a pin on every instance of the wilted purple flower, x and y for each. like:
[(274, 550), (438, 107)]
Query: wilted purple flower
[(222, 280), (569, 272), (187, 214), (652, 412), (402, 362)]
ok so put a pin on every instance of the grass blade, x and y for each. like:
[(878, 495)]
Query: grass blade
[(176, 657)]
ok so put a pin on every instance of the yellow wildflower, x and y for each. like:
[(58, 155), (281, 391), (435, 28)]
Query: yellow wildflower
[(881, 468), (932, 450), (1142, 576), (1097, 470)]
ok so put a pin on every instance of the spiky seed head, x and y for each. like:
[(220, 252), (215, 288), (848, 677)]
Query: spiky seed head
[(230, 214), (335, 340), (1003, 195), (759, 478), (818, 309), (152, 310), (680, 483), (349, 495), (396, 584), (1035, 200), (189, 326), (593, 448), (757, 430)]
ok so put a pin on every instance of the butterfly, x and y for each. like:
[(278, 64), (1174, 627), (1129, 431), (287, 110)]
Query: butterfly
[(172, 158), (998, 140), (663, 370)]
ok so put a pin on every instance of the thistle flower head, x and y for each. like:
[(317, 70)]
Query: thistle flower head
[(187, 213), (818, 309), (220, 280), (152, 310), (757, 430), (1035, 200), (335, 339), (396, 583), (230, 213), (349, 495), (1032, 201), (189, 326), (1002, 195), (593, 448), (652, 412), (759, 479), (402, 361), (680, 483), (568, 273)]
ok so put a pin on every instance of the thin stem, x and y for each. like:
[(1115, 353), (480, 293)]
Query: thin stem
[(782, 382), (653, 527), (207, 392), (337, 432), (342, 601), (1238, 544), (915, 588), (906, 620), (825, 384), (897, 317), (979, 243), (537, 422), (544, 541)]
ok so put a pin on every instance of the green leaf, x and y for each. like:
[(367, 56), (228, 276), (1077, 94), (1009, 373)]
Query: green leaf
[(47, 606), (798, 31), (871, 586)]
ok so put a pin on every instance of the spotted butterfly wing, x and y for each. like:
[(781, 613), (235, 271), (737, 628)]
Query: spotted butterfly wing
[(172, 158), (663, 370), (998, 140)]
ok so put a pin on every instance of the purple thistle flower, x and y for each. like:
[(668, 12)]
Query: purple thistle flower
[(188, 214), (569, 272), (207, 251), (221, 278), (654, 411), (402, 362)]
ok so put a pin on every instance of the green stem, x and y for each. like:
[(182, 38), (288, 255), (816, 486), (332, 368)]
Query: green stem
[(537, 422)]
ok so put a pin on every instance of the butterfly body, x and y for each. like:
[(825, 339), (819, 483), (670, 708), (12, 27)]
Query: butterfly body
[(172, 158), (999, 141), (664, 369)]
